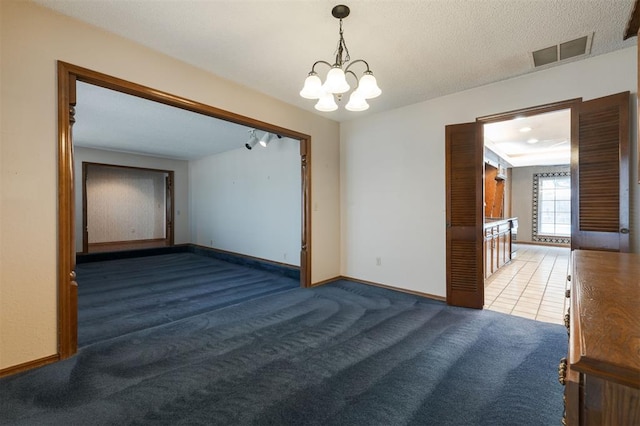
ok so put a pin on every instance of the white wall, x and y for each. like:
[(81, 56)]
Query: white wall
[(181, 184), (522, 196), (392, 168), (249, 201), (33, 39)]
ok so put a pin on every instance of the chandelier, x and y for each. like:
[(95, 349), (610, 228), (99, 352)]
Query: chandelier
[(336, 84)]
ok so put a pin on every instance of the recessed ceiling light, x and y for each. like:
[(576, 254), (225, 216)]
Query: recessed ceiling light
[(532, 140), (525, 129)]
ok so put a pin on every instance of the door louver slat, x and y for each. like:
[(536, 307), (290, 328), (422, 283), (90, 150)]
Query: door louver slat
[(600, 207), (599, 171), (465, 270), (465, 278)]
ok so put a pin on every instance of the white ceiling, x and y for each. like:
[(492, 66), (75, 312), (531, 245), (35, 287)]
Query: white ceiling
[(115, 121), (539, 140), (418, 49)]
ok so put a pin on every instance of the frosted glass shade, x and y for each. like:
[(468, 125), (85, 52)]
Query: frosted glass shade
[(336, 81), (357, 102), (368, 86), (312, 87), (326, 103)]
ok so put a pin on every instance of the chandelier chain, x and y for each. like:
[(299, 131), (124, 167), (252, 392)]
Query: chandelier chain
[(342, 48)]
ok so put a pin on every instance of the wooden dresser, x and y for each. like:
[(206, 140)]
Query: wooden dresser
[(602, 370)]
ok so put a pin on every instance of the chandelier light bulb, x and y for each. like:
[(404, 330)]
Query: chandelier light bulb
[(312, 87), (326, 103), (368, 86), (357, 102), (336, 81)]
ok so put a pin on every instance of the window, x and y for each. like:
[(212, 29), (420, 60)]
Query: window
[(552, 207)]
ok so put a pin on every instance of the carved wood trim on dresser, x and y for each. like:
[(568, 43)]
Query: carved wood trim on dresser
[(602, 370)]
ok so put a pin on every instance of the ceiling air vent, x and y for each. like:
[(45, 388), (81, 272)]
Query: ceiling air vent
[(569, 49)]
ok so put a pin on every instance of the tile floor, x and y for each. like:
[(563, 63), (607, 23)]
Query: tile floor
[(532, 285)]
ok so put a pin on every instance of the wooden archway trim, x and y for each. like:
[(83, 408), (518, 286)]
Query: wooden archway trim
[(633, 25), (68, 74)]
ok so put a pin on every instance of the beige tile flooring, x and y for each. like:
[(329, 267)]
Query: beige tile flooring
[(532, 285)]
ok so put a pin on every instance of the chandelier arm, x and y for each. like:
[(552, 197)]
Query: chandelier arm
[(353, 74), (355, 62), (313, 68)]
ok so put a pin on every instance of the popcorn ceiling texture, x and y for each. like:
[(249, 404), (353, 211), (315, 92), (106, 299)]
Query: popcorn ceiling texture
[(417, 49)]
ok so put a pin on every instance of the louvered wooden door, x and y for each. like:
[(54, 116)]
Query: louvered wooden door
[(464, 189), (600, 175)]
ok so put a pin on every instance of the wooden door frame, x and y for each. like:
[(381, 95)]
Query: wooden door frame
[(169, 202), (68, 75), (536, 110), (572, 104)]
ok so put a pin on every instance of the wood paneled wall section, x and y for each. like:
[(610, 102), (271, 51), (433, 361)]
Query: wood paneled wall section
[(493, 192)]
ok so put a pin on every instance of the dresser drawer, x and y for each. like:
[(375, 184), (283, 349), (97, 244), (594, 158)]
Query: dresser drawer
[(602, 375)]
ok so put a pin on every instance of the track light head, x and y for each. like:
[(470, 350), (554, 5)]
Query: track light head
[(253, 140), (264, 141)]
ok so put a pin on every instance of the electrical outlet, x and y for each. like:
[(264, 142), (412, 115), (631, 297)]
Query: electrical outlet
[(378, 261)]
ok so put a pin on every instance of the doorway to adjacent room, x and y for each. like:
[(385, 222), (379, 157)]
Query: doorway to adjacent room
[(527, 214)]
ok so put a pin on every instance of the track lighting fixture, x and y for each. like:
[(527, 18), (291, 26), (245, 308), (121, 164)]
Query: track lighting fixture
[(253, 140), (264, 140), (336, 83)]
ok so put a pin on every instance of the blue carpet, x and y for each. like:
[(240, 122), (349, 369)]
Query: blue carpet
[(340, 354), (117, 297)]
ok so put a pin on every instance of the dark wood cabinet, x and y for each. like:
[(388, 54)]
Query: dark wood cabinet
[(497, 245), (602, 370)]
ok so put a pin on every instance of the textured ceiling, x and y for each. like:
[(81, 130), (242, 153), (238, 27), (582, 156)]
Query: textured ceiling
[(418, 49)]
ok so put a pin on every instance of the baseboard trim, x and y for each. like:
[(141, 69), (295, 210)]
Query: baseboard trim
[(285, 269), (389, 287), (127, 245), (540, 243), (29, 365), (128, 254), (327, 281)]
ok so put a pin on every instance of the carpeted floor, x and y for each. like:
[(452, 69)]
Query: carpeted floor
[(340, 354), (118, 297)]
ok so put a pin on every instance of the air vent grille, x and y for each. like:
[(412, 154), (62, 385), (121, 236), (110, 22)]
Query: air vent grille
[(560, 52), (573, 48), (545, 56)]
